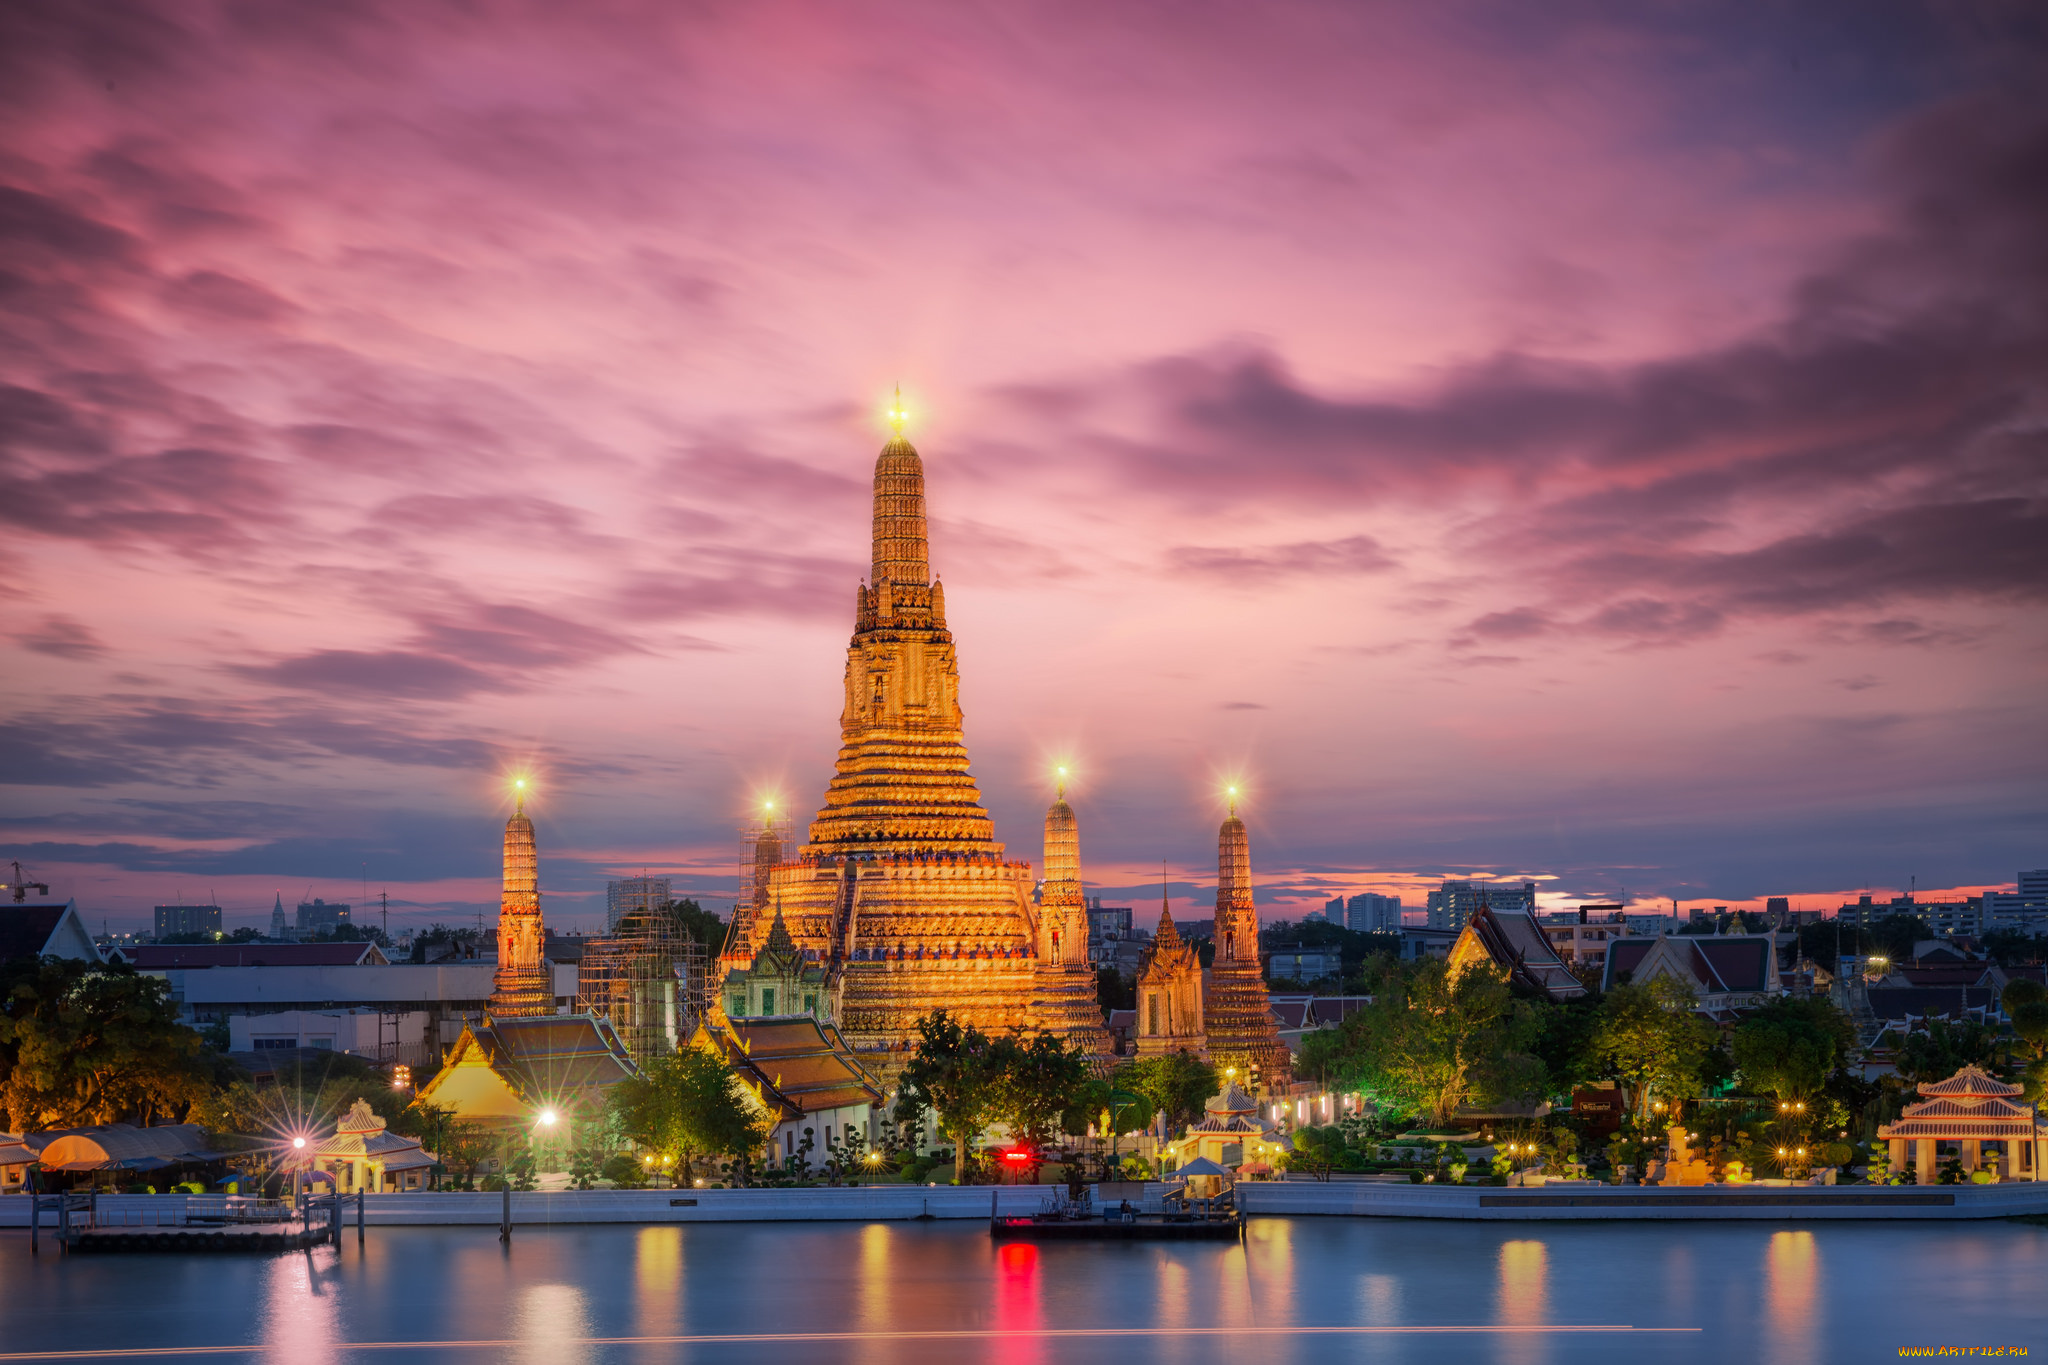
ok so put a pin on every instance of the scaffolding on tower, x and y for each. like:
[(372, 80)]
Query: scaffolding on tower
[(648, 978), (762, 844)]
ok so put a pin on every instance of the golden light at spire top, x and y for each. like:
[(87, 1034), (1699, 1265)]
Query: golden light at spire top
[(897, 416)]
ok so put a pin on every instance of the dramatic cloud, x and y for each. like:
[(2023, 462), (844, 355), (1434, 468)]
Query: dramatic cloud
[(1571, 426)]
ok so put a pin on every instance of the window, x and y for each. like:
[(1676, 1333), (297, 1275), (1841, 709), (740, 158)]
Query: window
[(1152, 1012), (810, 1004), (739, 1007), (767, 1000), (265, 1044)]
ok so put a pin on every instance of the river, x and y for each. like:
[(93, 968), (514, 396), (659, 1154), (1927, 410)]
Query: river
[(1300, 1289)]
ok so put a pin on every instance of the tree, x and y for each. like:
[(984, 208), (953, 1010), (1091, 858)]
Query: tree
[(1041, 1077), (955, 1074), (2015, 947), (1939, 1048), (1563, 1040), (692, 921), (1433, 1040), (1790, 1047), (1649, 1037), (687, 1105), (2026, 1004), (1178, 1086), (1318, 1151), (92, 1042)]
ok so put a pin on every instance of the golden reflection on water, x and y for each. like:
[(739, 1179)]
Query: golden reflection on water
[(1524, 1299), (1791, 1270), (1269, 1272), (552, 1325), (298, 1316), (658, 1277)]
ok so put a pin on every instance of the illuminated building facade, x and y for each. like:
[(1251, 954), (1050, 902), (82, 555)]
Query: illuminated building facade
[(901, 891), (1170, 994), (1064, 1001)]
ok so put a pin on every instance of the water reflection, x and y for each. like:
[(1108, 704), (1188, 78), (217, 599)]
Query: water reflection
[(658, 1275), (552, 1326), (298, 1316), (1790, 1272), (1017, 1309), (1524, 1299)]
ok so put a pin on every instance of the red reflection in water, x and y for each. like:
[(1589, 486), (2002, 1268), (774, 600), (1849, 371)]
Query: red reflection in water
[(1017, 1304)]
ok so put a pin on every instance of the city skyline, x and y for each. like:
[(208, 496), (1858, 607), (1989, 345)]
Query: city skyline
[(1621, 470)]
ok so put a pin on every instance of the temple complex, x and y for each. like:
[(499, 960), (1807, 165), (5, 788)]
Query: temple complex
[(1064, 1000), (1169, 994), (901, 891), (524, 984), (1237, 1015)]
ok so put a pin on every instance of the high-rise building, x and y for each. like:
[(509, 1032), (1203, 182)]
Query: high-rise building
[(187, 919), (1372, 913), (316, 915), (1452, 904), (2024, 908), (524, 982), (630, 894)]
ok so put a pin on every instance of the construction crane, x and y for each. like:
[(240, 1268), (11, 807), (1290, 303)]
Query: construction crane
[(21, 885)]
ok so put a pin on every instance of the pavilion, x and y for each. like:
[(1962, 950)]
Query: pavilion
[(1231, 1133), (361, 1155), (1969, 1109)]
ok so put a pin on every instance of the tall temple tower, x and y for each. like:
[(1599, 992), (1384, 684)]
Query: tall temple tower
[(901, 888), (1238, 1014), (1064, 999), (524, 983)]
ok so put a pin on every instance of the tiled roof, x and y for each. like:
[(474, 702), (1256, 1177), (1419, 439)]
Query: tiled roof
[(25, 929), (1971, 1080), (1920, 1002), (805, 1061), (1625, 955), (555, 1054)]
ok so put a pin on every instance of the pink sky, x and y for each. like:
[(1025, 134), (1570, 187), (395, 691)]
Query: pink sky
[(1510, 442)]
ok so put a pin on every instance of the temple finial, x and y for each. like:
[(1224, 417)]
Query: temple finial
[(897, 416)]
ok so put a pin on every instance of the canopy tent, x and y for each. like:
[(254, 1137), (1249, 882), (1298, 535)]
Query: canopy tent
[(1201, 1165)]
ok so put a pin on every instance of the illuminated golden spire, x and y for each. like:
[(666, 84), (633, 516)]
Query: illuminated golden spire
[(897, 416)]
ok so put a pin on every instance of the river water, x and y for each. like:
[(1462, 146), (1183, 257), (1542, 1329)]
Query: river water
[(1300, 1289)]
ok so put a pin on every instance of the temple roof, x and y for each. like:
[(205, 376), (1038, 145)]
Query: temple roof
[(802, 1060), (1971, 1080), (1231, 1100), (549, 1056)]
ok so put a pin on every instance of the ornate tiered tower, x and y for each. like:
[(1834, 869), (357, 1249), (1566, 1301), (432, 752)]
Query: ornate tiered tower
[(1170, 993), (901, 888), (1239, 1017), (524, 983), (1065, 999)]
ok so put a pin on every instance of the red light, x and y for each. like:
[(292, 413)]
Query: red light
[(1016, 1156)]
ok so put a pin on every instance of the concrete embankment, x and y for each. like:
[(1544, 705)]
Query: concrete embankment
[(1344, 1199), (1780, 1203)]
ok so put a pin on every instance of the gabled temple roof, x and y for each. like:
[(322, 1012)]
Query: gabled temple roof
[(551, 1055), (1971, 1080), (1515, 942), (802, 1061)]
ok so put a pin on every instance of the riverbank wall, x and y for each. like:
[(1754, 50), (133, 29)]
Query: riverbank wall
[(1292, 1198), (1486, 1203)]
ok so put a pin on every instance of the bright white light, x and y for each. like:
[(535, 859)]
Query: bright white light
[(547, 1118), (298, 1142)]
